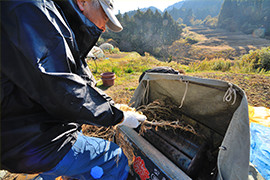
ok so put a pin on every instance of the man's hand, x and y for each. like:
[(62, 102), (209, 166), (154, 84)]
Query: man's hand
[(132, 119)]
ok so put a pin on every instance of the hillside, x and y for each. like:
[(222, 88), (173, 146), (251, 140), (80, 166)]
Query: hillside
[(177, 5), (246, 16), (152, 8), (200, 42), (203, 8), (195, 9)]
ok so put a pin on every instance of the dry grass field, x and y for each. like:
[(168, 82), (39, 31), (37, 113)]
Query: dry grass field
[(213, 43)]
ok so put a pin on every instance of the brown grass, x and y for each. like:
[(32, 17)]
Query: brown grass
[(214, 43)]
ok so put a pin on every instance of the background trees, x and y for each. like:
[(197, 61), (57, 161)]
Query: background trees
[(146, 32), (245, 16)]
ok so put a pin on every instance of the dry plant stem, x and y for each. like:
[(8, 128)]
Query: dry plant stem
[(157, 111), (125, 145), (100, 132), (165, 125)]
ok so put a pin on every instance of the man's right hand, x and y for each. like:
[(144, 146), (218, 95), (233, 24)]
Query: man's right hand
[(132, 119)]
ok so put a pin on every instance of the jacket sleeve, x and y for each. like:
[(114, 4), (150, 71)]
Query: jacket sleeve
[(38, 58)]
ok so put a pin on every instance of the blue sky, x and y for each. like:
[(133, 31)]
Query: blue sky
[(128, 5)]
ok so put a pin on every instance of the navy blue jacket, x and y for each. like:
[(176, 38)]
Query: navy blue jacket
[(47, 90)]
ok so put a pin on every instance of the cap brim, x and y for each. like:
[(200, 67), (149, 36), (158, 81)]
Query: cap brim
[(113, 23)]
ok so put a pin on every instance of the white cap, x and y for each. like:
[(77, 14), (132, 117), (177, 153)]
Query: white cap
[(113, 23)]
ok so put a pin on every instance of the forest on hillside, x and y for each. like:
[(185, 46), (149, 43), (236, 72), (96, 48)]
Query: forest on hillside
[(246, 16), (146, 32), (196, 9)]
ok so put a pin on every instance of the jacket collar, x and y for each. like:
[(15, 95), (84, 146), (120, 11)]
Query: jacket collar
[(86, 33)]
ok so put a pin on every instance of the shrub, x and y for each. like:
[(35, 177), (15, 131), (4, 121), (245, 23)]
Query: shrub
[(264, 59), (256, 61), (210, 22), (191, 40), (115, 51), (211, 65)]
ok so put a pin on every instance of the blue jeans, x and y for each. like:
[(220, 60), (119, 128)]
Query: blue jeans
[(91, 158)]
